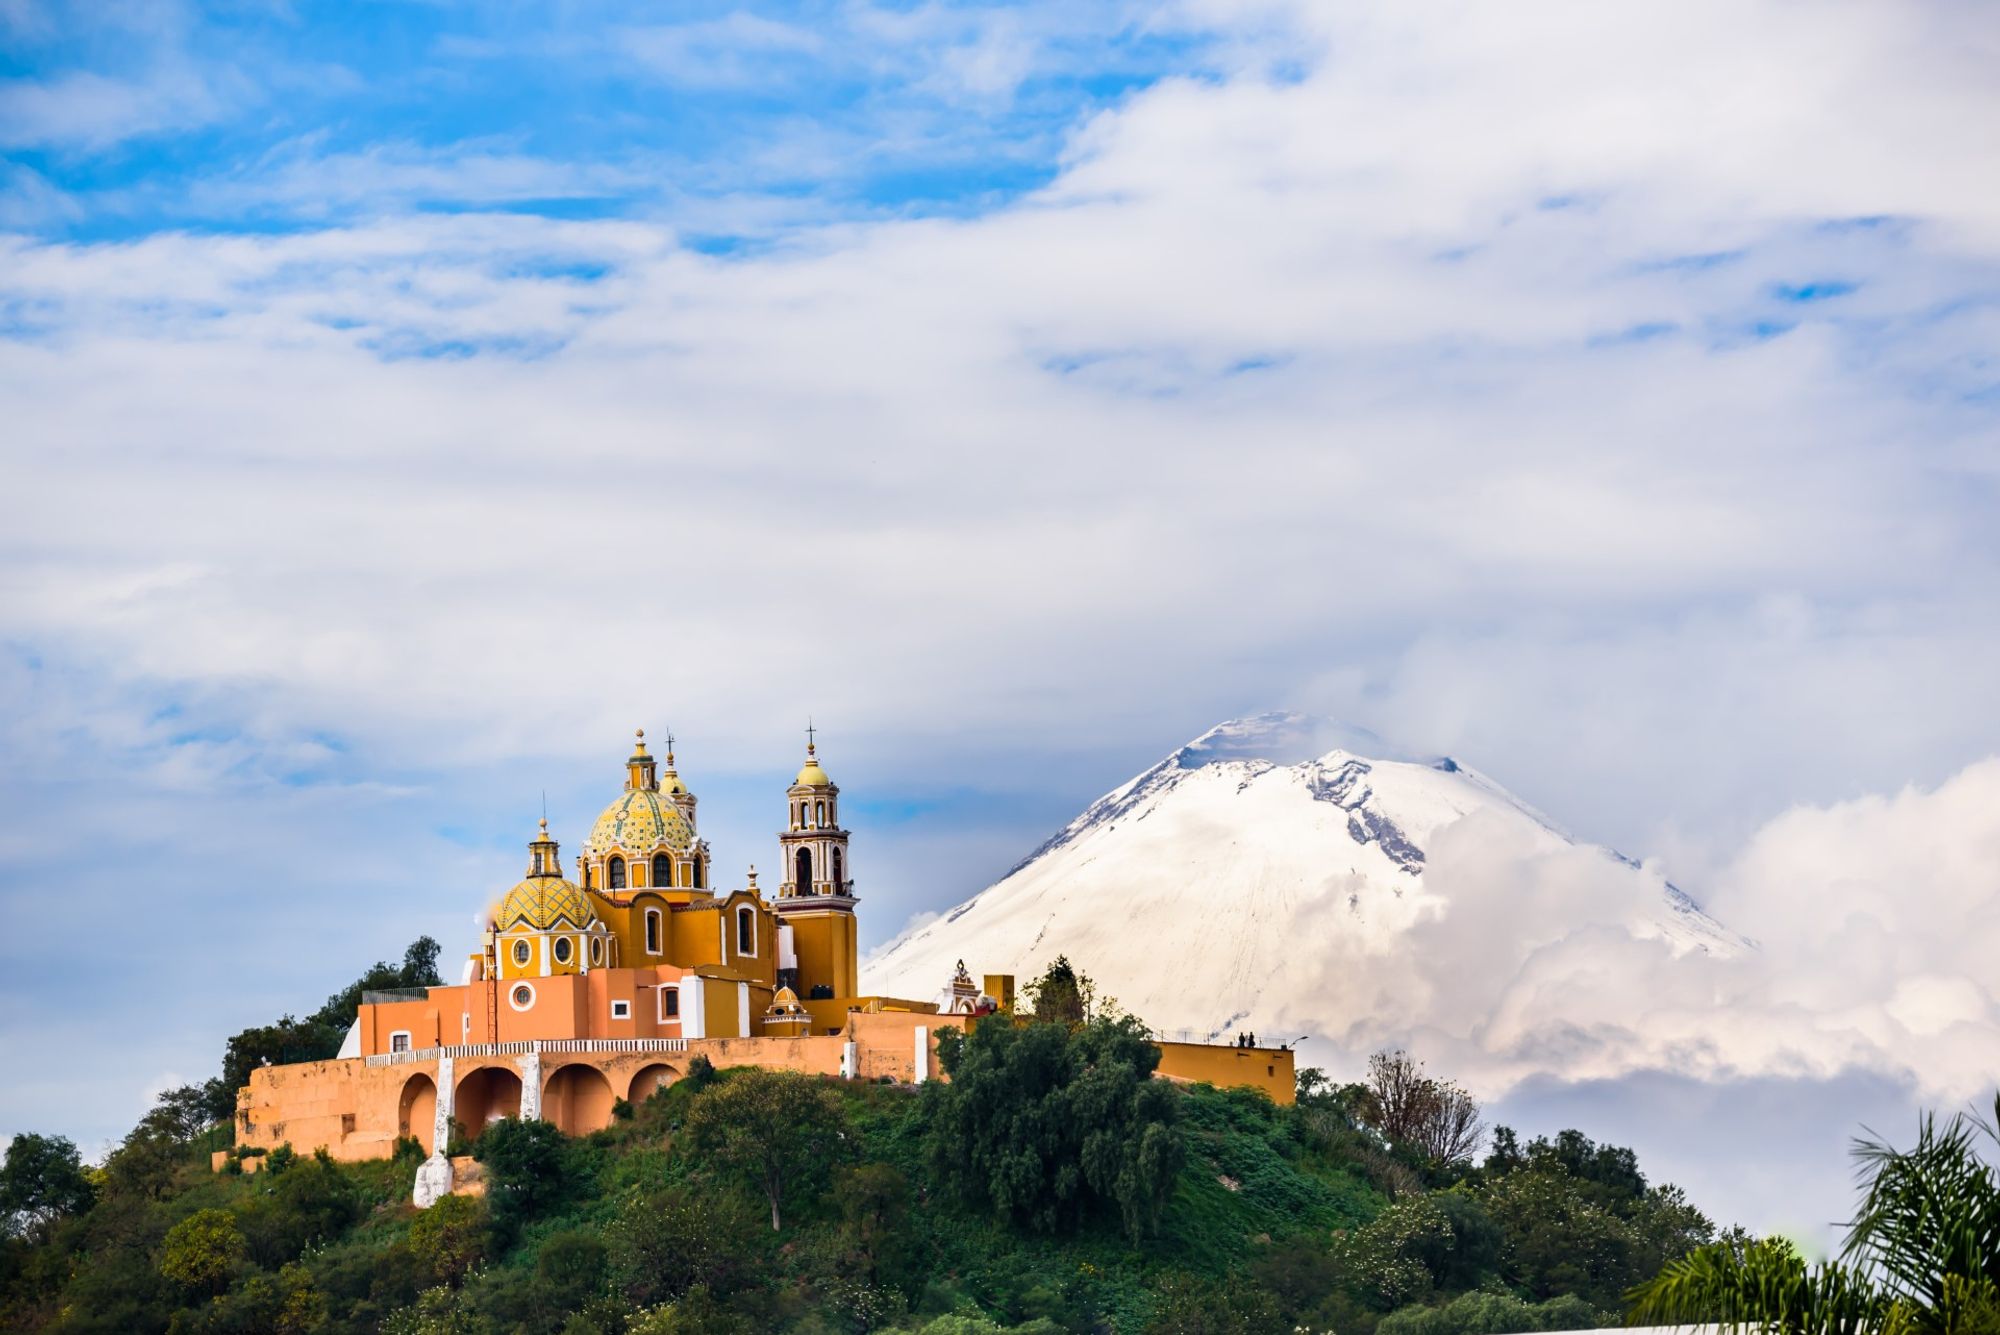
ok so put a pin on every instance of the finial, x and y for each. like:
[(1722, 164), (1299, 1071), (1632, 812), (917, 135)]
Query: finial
[(545, 827), (753, 876), (640, 733), (810, 730), (670, 748)]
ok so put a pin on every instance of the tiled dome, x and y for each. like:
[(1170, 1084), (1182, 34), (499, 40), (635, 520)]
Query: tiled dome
[(639, 822)]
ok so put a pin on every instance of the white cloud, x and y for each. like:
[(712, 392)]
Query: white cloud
[(1434, 364)]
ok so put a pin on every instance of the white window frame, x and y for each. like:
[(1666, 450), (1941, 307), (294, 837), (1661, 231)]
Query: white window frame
[(664, 1015), (404, 1036), (560, 942), (621, 1010), (656, 932), (520, 948), (742, 909), (516, 990)]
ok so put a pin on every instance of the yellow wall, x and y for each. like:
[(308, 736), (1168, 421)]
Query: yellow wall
[(1268, 1069)]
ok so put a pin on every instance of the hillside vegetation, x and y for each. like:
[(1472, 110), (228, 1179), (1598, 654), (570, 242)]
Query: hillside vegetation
[(1052, 1185)]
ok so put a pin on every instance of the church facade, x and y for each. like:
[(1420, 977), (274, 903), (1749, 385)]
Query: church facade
[(600, 982)]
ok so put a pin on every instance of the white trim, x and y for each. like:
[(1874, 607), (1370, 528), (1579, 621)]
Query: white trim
[(663, 1016), (545, 955), (694, 1009), (655, 939), (621, 1010), (740, 910), (517, 949), (395, 1034), (743, 1010), (722, 926), (922, 1064), (515, 988), (557, 949)]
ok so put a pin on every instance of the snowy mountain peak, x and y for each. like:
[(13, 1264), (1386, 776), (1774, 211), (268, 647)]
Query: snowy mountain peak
[(1198, 888)]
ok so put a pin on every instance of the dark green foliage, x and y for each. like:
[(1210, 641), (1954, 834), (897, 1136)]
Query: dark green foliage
[(1493, 1314), (41, 1183), (1189, 1306), (1050, 1126), (1062, 995), (666, 1241), (776, 1130), (700, 1075), (312, 1200), (530, 1169)]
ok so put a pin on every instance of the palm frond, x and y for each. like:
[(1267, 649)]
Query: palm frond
[(1928, 1230), (1767, 1287)]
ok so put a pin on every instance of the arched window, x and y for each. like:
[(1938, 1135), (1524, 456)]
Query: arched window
[(804, 876), (746, 931), (652, 931), (839, 886), (799, 817), (663, 869), (563, 949), (819, 814), (521, 952), (700, 874), (617, 869)]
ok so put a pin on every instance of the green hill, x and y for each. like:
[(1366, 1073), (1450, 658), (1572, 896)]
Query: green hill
[(1051, 1186)]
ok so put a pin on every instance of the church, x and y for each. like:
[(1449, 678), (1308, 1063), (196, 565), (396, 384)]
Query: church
[(601, 983), (639, 943)]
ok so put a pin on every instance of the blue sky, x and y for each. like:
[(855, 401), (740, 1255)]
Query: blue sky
[(402, 402)]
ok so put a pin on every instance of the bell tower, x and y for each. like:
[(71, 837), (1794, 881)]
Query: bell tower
[(816, 901)]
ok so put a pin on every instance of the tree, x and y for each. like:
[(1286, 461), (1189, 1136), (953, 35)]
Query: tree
[(449, 1237), (526, 1169), (665, 1242), (1922, 1256), (1049, 1125), (202, 1251), (1436, 1118), (1064, 995), (776, 1128), (41, 1183)]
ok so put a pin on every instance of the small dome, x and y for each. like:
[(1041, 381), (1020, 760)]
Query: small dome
[(812, 776), (640, 821), (544, 903), (670, 783)]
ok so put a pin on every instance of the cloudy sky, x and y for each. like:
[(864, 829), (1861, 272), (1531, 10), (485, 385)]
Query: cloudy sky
[(401, 403)]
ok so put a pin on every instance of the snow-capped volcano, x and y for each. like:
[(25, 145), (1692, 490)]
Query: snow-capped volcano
[(1219, 888)]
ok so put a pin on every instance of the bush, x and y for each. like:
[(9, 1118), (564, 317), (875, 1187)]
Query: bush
[(529, 1171), (1049, 1125), (449, 1238), (665, 1242), (202, 1251)]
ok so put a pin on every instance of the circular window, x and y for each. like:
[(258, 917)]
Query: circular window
[(521, 997), (597, 951), (520, 952), (564, 949)]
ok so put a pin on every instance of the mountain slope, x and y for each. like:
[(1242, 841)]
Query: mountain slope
[(1217, 889)]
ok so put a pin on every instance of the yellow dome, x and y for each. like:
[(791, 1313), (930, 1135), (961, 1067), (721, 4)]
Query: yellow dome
[(670, 782), (639, 822), (544, 902)]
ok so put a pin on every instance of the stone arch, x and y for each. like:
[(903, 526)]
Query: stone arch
[(487, 1095), (577, 1098), (416, 1110), (650, 1080)]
